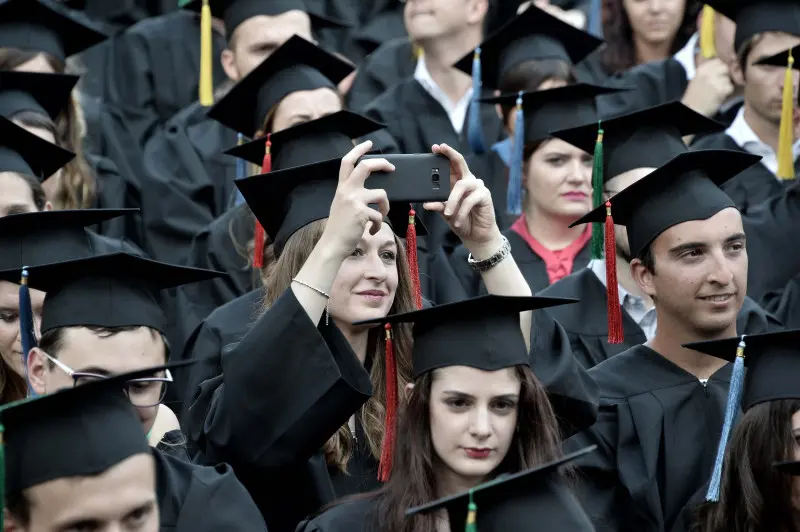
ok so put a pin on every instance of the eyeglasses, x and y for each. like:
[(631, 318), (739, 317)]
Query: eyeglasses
[(143, 393)]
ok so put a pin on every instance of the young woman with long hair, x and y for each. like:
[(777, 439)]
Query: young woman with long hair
[(754, 495)]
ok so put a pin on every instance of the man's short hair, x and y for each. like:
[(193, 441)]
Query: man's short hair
[(52, 342)]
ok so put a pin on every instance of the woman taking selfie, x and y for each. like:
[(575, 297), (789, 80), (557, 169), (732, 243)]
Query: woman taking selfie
[(291, 387), (474, 411), (753, 495)]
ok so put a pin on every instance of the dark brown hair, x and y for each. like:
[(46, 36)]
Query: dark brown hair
[(529, 76), (78, 188), (52, 341), (754, 497), (279, 275), (619, 53), (413, 481)]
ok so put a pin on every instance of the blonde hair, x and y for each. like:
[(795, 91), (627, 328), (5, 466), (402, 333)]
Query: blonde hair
[(339, 448)]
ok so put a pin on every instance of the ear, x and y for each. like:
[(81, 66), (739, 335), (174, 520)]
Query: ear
[(37, 370), (478, 11), (409, 390), (48, 206), (9, 525), (737, 75), (229, 64), (643, 277)]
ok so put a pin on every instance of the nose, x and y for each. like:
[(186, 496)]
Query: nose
[(721, 272), (375, 268), (577, 173), (655, 6), (480, 426)]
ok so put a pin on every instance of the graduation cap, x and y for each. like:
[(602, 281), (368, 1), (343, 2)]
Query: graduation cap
[(46, 94), (298, 65), (538, 113), (481, 332), (38, 25), (772, 361), (512, 503), (25, 153), (786, 135), (758, 16), (110, 290), (684, 189), (532, 35)]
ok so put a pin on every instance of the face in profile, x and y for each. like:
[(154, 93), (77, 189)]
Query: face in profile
[(366, 283), (123, 498), (473, 415)]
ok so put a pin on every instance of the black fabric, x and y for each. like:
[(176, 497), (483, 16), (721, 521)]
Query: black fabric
[(194, 498), (392, 62), (351, 516), (754, 185)]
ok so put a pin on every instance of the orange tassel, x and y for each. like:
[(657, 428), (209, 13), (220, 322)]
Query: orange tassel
[(615, 332), (390, 421), (260, 237), (413, 260)]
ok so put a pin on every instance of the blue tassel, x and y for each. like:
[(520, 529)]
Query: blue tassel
[(241, 172), (26, 332), (731, 411), (514, 193), (474, 125), (595, 19)]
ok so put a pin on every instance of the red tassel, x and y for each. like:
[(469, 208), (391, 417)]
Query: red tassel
[(413, 260), (615, 331), (260, 237), (390, 421)]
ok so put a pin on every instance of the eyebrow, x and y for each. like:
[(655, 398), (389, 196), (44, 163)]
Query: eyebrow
[(464, 394), (94, 370), (702, 245)]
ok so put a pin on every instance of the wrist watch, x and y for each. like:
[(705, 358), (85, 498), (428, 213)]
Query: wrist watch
[(494, 260)]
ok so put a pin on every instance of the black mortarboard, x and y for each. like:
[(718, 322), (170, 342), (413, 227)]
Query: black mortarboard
[(781, 59), (481, 332), (37, 238), (789, 468), (287, 200), (235, 12), (772, 361), (298, 65), (758, 16), (47, 94), (111, 290), (25, 153), (685, 188), (533, 34), (537, 498), (37, 25), (329, 137), (642, 139)]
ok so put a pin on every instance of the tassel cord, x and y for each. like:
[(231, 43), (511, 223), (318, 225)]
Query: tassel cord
[(514, 192)]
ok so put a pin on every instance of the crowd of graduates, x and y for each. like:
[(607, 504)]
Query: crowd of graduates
[(233, 299)]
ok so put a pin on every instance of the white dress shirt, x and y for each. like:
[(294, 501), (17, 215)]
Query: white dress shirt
[(633, 305), (744, 136), (686, 56), (457, 112)]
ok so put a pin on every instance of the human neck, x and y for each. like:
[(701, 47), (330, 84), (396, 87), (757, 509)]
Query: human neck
[(668, 341), (552, 233), (357, 339), (450, 483), (647, 51), (441, 53), (766, 131), (625, 280)]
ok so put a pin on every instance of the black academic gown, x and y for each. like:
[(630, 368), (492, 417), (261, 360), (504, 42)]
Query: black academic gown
[(283, 391), (587, 326), (193, 498), (351, 516), (785, 304), (751, 187), (532, 265), (390, 63)]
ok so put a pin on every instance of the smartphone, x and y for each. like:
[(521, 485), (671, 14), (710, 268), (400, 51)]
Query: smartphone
[(417, 178)]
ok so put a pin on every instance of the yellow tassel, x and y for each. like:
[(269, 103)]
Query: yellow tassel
[(786, 136), (707, 46), (206, 73), (417, 51)]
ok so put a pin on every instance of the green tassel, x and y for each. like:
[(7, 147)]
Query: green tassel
[(598, 229), (472, 516)]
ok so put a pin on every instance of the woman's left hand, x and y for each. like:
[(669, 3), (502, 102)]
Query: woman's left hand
[(468, 210)]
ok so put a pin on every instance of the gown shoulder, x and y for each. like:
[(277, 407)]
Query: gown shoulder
[(349, 516)]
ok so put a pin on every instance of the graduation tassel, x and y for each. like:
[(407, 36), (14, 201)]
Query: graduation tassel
[(731, 410), (260, 236), (474, 126), (595, 22), (241, 170), (514, 192), (786, 135), (472, 515), (708, 47), (616, 333), (413, 260), (206, 68), (597, 194), (390, 419), (26, 333)]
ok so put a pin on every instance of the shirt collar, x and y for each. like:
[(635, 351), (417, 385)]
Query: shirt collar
[(686, 57), (741, 132), (598, 267)]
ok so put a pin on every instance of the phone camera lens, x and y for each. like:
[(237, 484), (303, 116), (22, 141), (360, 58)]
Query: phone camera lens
[(435, 178)]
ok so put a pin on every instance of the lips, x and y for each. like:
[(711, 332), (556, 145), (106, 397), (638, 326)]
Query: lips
[(718, 298), (478, 453), (372, 293)]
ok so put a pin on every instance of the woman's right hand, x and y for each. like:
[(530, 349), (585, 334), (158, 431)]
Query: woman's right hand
[(350, 211)]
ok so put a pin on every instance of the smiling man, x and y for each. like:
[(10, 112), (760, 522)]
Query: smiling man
[(661, 405)]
